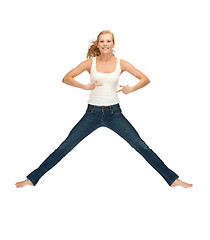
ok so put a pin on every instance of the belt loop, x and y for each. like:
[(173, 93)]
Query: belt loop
[(92, 109), (111, 108)]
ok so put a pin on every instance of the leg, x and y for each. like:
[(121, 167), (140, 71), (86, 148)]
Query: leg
[(123, 127), (82, 129)]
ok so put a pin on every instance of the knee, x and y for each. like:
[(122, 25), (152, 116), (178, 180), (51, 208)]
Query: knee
[(142, 148), (64, 148)]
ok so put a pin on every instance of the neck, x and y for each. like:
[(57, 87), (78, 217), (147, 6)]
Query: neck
[(105, 57)]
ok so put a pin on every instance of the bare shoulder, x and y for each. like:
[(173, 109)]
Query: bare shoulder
[(128, 67), (125, 65), (86, 65), (83, 66)]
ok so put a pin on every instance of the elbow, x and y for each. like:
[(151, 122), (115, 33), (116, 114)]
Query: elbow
[(147, 80), (64, 80)]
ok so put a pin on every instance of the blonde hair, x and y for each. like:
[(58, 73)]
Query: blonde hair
[(93, 50)]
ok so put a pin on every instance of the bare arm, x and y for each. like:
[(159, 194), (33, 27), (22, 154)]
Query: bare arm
[(144, 80), (69, 77)]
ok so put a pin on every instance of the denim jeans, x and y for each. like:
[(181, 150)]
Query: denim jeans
[(112, 118)]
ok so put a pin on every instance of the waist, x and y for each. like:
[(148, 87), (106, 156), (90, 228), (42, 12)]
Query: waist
[(103, 108)]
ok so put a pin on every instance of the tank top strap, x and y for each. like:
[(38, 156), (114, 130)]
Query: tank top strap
[(93, 66), (118, 64)]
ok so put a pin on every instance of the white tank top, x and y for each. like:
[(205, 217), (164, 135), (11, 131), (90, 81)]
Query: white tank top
[(104, 95)]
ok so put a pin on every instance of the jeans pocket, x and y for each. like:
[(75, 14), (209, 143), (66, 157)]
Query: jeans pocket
[(90, 110), (116, 111)]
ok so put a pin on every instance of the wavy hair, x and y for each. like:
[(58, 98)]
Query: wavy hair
[(93, 50)]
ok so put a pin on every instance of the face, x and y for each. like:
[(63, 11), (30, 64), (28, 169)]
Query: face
[(105, 43)]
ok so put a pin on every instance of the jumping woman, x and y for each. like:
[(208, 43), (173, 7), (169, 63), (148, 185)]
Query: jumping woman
[(103, 109)]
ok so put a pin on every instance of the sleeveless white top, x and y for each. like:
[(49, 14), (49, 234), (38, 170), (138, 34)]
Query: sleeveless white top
[(104, 95)]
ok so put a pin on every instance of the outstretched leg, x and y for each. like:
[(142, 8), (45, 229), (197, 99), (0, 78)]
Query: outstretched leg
[(123, 127), (82, 129)]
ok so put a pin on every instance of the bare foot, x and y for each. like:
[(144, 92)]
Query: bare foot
[(23, 183), (178, 182)]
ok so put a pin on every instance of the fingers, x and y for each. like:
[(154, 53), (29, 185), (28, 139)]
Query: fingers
[(119, 90), (122, 87), (95, 83)]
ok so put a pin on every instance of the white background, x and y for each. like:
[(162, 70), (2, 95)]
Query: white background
[(104, 189)]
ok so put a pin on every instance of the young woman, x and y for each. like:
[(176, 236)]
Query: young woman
[(103, 109)]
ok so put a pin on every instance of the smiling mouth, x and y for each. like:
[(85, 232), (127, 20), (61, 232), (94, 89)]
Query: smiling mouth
[(105, 48)]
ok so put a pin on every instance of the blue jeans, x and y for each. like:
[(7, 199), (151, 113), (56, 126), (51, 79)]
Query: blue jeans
[(112, 118)]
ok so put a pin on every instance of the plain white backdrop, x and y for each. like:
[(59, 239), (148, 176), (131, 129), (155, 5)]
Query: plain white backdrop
[(103, 189)]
